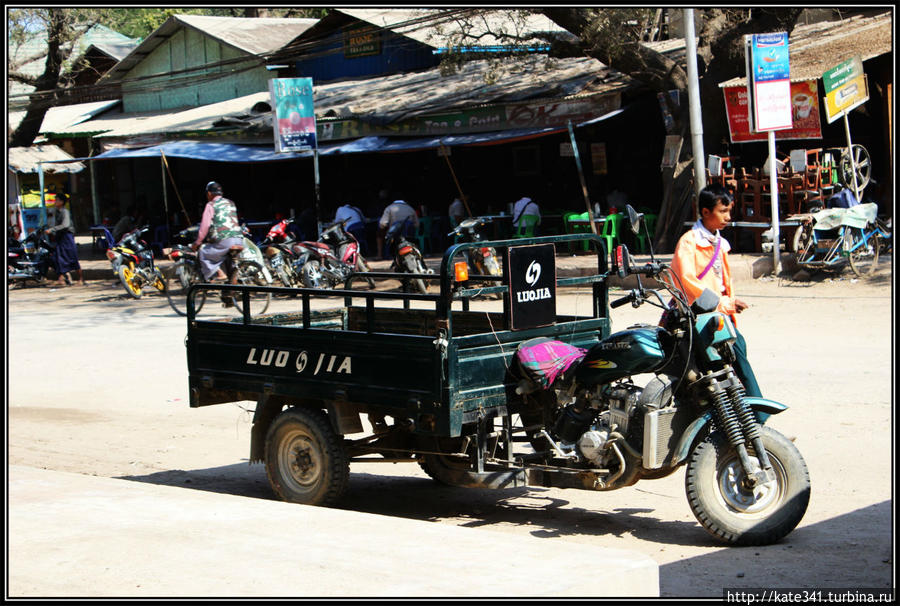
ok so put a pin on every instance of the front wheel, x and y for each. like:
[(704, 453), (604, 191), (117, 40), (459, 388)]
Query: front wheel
[(732, 512), (179, 278), (127, 276), (862, 253), (312, 276), (306, 461)]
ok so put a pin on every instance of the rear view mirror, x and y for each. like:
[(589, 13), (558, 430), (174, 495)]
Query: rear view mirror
[(634, 218), (623, 265)]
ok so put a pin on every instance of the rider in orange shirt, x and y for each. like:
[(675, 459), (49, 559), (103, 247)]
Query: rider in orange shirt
[(701, 261)]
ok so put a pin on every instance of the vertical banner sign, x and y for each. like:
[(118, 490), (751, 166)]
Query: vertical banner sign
[(532, 286), (845, 88), (295, 120), (768, 81)]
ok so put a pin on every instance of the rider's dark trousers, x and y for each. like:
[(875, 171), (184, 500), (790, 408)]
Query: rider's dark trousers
[(743, 369)]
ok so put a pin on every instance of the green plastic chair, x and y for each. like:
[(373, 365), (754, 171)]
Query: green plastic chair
[(526, 226), (577, 229), (650, 222), (423, 234), (610, 231)]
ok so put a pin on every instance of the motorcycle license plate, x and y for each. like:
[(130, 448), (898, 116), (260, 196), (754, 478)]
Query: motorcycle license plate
[(405, 250), (276, 261)]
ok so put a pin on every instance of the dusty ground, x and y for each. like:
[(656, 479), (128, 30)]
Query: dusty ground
[(97, 385)]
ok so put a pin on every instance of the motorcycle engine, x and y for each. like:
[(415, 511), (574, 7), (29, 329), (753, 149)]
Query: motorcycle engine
[(585, 426)]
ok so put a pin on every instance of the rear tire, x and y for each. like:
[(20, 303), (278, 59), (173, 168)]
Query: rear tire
[(250, 273), (414, 266), (306, 461), (728, 510), (127, 276)]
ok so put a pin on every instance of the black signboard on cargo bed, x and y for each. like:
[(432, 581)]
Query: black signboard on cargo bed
[(532, 286)]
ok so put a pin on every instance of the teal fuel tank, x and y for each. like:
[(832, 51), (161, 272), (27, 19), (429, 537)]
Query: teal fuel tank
[(624, 353)]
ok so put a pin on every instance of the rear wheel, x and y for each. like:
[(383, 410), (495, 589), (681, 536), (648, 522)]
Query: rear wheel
[(414, 266), (127, 276), (803, 241), (179, 278), (731, 511), (306, 461), (863, 255), (250, 273)]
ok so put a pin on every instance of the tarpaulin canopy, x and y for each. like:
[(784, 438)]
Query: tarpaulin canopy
[(225, 152)]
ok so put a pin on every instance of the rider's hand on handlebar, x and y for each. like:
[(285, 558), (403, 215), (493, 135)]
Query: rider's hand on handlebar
[(740, 306), (194, 246)]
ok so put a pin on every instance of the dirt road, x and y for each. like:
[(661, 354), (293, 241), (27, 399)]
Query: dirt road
[(97, 385)]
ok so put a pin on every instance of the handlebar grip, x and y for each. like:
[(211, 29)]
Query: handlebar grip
[(621, 302)]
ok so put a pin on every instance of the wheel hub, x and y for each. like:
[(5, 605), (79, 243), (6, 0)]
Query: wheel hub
[(739, 493)]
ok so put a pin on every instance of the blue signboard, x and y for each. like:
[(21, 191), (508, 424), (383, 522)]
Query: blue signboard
[(770, 57), (294, 121)]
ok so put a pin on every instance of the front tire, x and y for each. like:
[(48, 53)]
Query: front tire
[(863, 256), (250, 273), (306, 461), (179, 279), (127, 277), (731, 512), (312, 276)]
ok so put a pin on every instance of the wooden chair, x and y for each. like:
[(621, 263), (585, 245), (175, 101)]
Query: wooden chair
[(754, 194)]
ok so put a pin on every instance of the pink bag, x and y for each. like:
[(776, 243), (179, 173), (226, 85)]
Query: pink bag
[(543, 360)]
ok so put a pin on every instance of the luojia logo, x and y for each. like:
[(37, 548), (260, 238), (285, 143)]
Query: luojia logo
[(533, 273)]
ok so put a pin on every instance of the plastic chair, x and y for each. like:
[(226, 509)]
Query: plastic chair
[(577, 229), (641, 236), (610, 231), (525, 229), (423, 234)]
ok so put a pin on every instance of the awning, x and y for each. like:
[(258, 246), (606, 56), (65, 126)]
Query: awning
[(53, 159), (224, 152)]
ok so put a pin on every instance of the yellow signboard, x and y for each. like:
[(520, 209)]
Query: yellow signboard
[(845, 88)]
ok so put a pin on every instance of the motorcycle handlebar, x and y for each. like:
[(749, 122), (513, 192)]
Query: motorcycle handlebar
[(620, 302)]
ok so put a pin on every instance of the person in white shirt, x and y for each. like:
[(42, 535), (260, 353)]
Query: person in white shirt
[(456, 211), (397, 211), (525, 206)]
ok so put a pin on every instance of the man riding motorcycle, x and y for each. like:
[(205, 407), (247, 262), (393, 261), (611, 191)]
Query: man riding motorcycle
[(220, 223)]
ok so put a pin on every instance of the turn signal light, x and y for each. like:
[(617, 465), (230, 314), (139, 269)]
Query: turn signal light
[(720, 323), (461, 271), (110, 254)]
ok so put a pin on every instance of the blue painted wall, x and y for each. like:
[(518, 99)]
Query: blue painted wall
[(390, 54)]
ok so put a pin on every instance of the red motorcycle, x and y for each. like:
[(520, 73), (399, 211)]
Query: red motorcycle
[(278, 252), (345, 247)]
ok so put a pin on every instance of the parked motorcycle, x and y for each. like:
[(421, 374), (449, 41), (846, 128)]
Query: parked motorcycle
[(483, 261), (132, 261), (30, 258), (345, 247), (746, 483), (278, 252), (407, 258), (318, 266)]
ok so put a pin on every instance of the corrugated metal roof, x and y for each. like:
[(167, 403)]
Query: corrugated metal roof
[(64, 117), (429, 27), (25, 159), (818, 47), (391, 98), (249, 35)]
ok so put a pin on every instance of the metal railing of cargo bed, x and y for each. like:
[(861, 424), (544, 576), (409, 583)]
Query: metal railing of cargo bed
[(450, 291)]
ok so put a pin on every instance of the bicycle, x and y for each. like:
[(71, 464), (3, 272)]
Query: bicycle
[(856, 239), (186, 273)]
